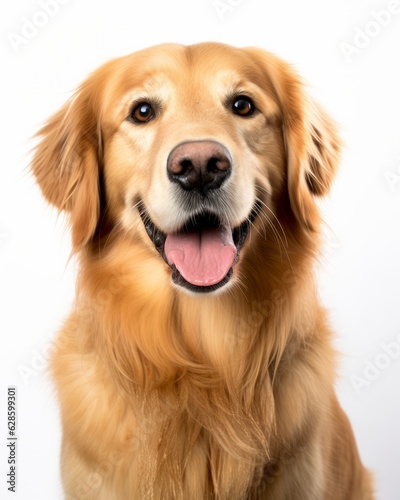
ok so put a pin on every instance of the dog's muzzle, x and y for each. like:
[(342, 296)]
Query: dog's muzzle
[(202, 252)]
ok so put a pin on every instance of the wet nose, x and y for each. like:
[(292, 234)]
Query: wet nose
[(199, 165)]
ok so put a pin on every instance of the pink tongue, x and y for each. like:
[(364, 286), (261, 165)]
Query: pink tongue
[(203, 258)]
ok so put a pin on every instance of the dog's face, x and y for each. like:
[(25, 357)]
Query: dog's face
[(187, 155), (187, 148)]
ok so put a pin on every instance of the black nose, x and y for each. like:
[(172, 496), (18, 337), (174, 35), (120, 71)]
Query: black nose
[(199, 166)]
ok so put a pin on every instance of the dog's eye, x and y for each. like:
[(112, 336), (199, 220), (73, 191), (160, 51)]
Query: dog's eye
[(243, 106), (142, 113)]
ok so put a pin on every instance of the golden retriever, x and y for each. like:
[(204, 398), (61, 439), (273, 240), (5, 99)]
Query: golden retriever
[(197, 361)]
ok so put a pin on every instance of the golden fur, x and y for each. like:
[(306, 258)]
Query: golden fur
[(170, 395)]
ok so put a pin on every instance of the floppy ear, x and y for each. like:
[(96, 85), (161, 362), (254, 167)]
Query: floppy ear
[(311, 141), (66, 163), (313, 150)]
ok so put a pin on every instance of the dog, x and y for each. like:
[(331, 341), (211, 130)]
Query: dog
[(197, 361)]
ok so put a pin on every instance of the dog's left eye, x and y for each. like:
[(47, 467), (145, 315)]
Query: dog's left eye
[(142, 113), (243, 106)]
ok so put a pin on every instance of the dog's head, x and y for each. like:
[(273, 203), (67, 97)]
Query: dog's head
[(185, 149)]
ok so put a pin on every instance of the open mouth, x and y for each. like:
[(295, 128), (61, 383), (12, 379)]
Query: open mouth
[(202, 253)]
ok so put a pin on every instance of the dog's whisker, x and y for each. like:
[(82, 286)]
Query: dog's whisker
[(265, 217), (274, 229), (272, 213)]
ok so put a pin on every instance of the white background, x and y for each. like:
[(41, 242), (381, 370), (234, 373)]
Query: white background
[(359, 273)]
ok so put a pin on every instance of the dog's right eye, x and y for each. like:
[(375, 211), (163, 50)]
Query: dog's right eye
[(142, 112), (243, 106)]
